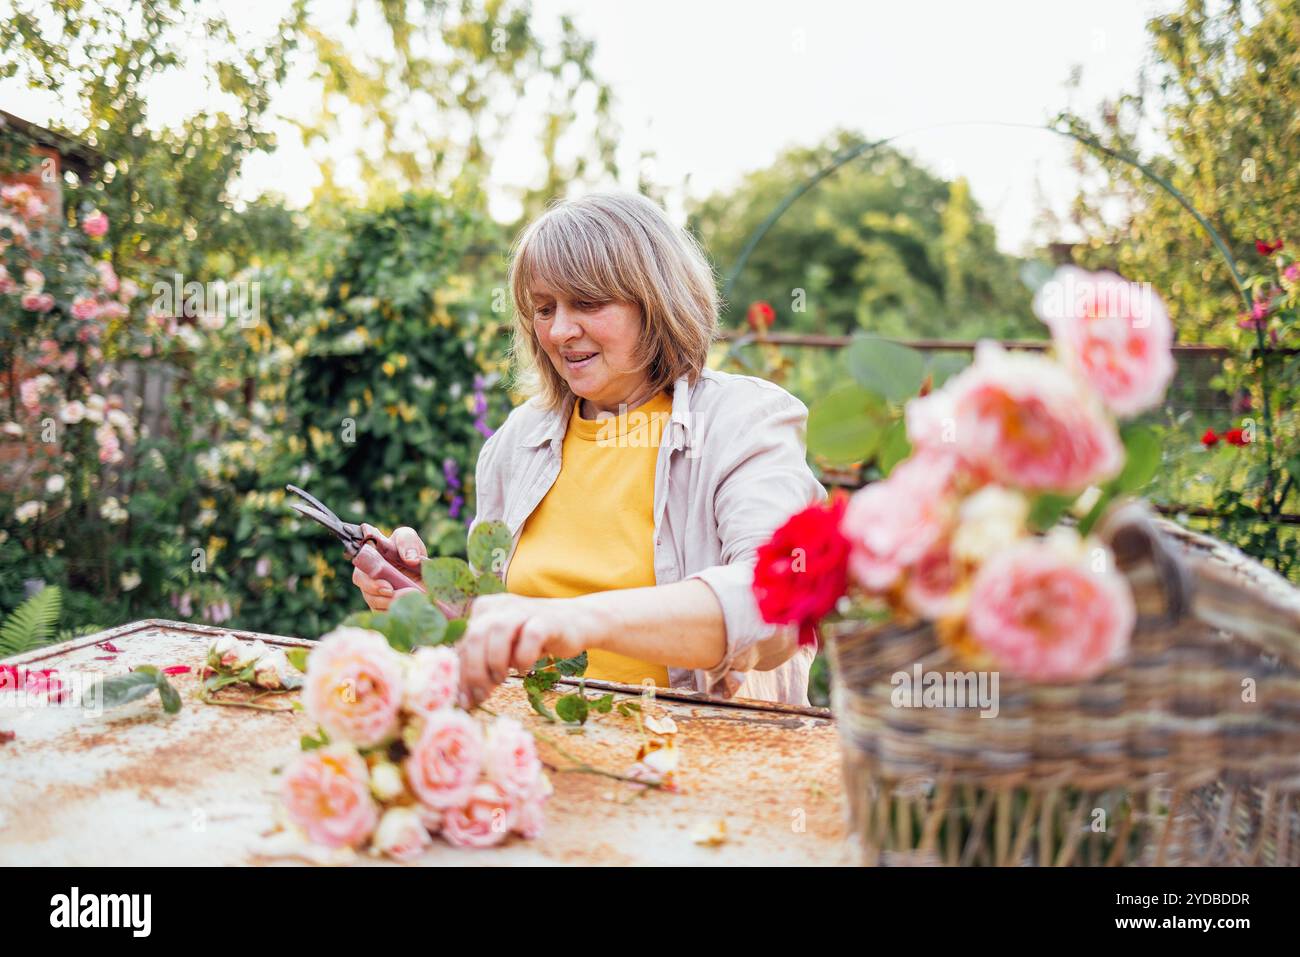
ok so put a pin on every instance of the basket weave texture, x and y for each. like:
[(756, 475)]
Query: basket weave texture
[(1186, 753)]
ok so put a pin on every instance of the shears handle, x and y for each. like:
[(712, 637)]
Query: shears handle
[(373, 562), (378, 558)]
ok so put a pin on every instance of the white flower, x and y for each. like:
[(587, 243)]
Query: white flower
[(121, 421), (989, 521), (250, 654), (129, 581), (271, 669), (55, 484), (400, 834), (226, 649), (73, 412), (28, 511), (11, 428), (386, 781), (112, 511)]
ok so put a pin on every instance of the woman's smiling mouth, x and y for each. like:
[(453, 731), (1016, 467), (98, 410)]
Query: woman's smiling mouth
[(578, 360)]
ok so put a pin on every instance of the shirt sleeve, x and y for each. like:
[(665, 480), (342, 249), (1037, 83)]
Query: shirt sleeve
[(763, 479), (489, 483)]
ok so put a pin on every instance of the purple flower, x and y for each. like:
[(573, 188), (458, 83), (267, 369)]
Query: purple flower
[(450, 472), (456, 502)]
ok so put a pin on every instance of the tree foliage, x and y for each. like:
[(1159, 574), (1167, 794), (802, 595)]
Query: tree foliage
[(881, 245)]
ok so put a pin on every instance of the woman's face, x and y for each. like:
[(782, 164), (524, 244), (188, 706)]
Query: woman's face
[(592, 345)]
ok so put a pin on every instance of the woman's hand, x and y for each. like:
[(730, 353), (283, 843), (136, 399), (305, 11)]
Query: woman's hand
[(405, 544), (512, 631)]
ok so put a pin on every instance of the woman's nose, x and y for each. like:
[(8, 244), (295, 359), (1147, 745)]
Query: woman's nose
[(563, 326)]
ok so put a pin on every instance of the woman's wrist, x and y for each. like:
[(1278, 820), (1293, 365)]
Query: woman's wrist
[(592, 617)]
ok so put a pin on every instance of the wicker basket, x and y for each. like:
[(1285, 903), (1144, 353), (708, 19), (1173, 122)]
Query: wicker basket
[(1167, 759)]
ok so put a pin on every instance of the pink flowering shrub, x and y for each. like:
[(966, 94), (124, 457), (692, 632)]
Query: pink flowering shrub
[(398, 762)]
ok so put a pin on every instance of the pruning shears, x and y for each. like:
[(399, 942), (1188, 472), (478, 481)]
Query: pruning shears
[(366, 547)]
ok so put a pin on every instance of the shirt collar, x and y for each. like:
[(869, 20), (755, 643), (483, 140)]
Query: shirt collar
[(550, 428)]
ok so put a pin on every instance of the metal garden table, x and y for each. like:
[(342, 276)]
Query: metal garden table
[(136, 786)]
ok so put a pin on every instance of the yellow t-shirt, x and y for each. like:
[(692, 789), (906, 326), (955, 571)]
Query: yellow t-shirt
[(594, 530)]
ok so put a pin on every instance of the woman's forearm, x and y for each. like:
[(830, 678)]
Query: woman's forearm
[(678, 625)]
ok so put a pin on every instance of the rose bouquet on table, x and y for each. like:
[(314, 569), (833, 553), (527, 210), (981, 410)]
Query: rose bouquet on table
[(965, 529), (398, 762)]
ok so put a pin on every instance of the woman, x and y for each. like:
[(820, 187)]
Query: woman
[(637, 483)]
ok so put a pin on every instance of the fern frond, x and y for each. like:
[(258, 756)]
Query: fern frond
[(67, 634), (32, 623)]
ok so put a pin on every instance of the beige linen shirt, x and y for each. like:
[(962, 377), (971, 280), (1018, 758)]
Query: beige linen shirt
[(731, 468)]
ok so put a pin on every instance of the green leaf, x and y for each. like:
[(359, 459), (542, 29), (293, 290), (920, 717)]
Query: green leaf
[(171, 699), (894, 447), (118, 690), (448, 579), (846, 425), (298, 658), (628, 708), (488, 584), (532, 688), (455, 628), (489, 547), (574, 667), (545, 680), (1047, 510), (1142, 448), (413, 621), (572, 707), (31, 624), (309, 743), (603, 704), (942, 366), (886, 368)]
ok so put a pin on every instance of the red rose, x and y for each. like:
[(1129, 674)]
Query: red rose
[(1209, 439), (761, 315), (1265, 248), (1236, 437), (802, 571)]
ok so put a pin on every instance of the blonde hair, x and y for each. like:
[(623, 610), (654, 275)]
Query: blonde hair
[(622, 247)]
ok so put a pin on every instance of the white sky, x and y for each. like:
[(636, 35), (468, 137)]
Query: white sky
[(718, 87)]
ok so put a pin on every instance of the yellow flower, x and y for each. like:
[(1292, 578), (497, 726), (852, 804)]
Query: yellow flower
[(389, 369)]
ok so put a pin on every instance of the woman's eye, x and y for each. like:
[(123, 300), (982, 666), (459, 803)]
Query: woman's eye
[(544, 312)]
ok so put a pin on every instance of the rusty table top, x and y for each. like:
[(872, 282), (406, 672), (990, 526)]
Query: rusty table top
[(133, 785)]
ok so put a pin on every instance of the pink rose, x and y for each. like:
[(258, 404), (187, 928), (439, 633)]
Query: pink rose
[(7, 283), (353, 686), (29, 392), (510, 757), (530, 819), (107, 277), (931, 590), (890, 524), (432, 679), (1052, 611), (85, 308), (486, 818), (37, 302), (95, 225), (401, 835), (327, 794), (1115, 334), (1017, 420), (33, 279), (444, 761)]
